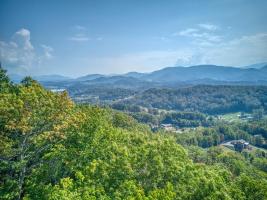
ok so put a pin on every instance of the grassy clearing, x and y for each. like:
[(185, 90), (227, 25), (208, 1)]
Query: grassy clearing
[(232, 117)]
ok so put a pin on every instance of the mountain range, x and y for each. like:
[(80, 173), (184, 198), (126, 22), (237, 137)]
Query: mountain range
[(212, 72), (199, 74)]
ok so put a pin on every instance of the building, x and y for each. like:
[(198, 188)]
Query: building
[(239, 145), (167, 127)]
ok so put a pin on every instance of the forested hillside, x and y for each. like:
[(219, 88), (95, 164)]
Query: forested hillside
[(52, 148), (201, 98)]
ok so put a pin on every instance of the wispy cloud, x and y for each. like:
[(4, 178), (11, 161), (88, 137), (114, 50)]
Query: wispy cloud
[(207, 36), (235, 52), (79, 34), (201, 37), (80, 28), (209, 27), (20, 54), (239, 51), (186, 32), (162, 38), (202, 34), (47, 51), (79, 37)]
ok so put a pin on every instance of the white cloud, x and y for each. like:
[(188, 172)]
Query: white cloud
[(200, 37), (47, 51), (186, 32), (23, 37), (162, 38), (24, 32), (80, 28), (207, 36), (79, 34), (238, 52), (20, 54), (209, 27), (79, 37)]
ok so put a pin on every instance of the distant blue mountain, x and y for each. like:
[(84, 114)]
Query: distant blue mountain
[(43, 78), (213, 72), (52, 78), (134, 74), (89, 77), (200, 73), (257, 66)]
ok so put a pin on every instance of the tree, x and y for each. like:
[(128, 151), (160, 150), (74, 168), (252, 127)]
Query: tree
[(28, 81), (258, 114), (31, 121), (52, 149), (5, 82), (252, 189)]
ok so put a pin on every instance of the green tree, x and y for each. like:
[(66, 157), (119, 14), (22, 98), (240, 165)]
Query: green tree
[(32, 120), (5, 83)]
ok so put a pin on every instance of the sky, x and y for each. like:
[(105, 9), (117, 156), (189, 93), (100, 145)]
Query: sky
[(79, 37)]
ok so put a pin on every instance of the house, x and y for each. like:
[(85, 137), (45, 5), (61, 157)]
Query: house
[(239, 145), (167, 127), (58, 90)]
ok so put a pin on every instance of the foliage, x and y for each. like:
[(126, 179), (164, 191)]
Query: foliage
[(53, 149), (32, 119), (253, 132), (206, 99)]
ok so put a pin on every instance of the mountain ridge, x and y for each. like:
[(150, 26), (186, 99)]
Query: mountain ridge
[(171, 74)]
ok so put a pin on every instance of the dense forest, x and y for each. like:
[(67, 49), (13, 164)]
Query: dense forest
[(178, 119), (201, 98), (52, 148)]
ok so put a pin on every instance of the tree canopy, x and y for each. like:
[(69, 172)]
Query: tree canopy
[(53, 149)]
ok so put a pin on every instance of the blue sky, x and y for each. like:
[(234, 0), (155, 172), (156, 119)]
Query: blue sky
[(78, 37)]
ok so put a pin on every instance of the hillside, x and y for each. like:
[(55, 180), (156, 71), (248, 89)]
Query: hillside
[(54, 149), (213, 72)]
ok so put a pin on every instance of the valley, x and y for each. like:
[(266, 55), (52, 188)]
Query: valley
[(143, 132), (133, 100)]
